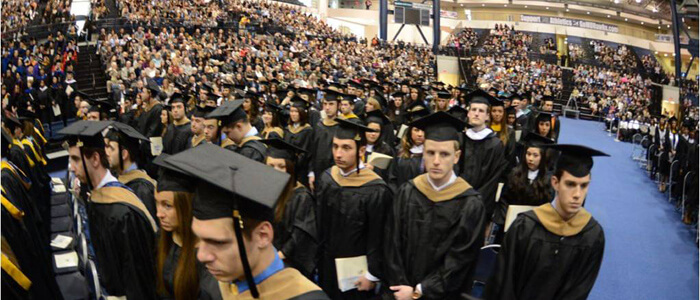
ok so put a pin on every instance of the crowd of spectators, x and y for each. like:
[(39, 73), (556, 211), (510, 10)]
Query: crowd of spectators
[(463, 40), (38, 74), (176, 57), (576, 52), (548, 46), (620, 59), (18, 13), (503, 38), (518, 75), (183, 12)]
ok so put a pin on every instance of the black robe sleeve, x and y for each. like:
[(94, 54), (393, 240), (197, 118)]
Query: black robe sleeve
[(302, 140), (124, 242), (146, 193), (254, 150), (301, 246)]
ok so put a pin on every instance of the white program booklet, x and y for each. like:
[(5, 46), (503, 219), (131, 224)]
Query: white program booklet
[(349, 270), (59, 188), (61, 241), (66, 260), (379, 160), (513, 212), (156, 145)]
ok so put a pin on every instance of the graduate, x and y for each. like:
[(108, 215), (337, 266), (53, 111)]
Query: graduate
[(121, 230), (179, 133), (149, 123), (321, 156), (548, 107), (176, 255), (272, 119), (433, 231), (499, 125), (122, 144), (26, 258), (298, 133), (352, 205), (295, 217), (554, 251), (233, 209), (234, 123), (544, 125), (376, 139), (198, 117), (483, 158), (408, 162)]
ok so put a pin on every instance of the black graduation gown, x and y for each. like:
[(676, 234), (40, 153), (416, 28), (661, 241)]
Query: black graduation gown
[(129, 118), (258, 124), (482, 164), (123, 236), (25, 244), (433, 238), (321, 147), (296, 234), (536, 263), (286, 284), (351, 213), (511, 196), (383, 148), (143, 187), (41, 181), (41, 203), (251, 147), (208, 286), (149, 123), (300, 137), (177, 138), (401, 170)]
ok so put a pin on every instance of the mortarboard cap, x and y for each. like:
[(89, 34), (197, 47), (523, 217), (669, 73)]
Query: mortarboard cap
[(544, 117), (202, 112), (440, 127), (495, 102), (376, 116), (125, 135), (351, 130), (25, 114), (171, 178), (331, 95), (444, 95), (277, 148), (479, 96), (227, 180), (355, 84), (398, 94), (532, 139), (86, 133), (300, 102), (177, 97), (458, 112), (229, 112), (417, 110), (575, 159), (672, 119)]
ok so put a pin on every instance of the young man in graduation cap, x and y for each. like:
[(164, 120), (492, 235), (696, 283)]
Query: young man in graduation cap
[(555, 250), (122, 143), (352, 204), (548, 107), (321, 157), (198, 117), (178, 134), (434, 228), (483, 153), (347, 107), (232, 210), (243, 137), (149, 123), (120, 228)]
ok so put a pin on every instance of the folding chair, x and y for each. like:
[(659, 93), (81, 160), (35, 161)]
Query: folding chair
[(93, 280), (669, 188), (683, 195), (485, 264)]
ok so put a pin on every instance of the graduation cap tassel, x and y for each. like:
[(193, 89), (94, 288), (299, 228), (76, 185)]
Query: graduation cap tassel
[(238, 229)]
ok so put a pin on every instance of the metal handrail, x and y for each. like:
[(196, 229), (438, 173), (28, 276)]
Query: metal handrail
[(683, 195)]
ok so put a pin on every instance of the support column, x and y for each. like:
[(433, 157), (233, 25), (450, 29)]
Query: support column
[(323, 9), (436, 26), (383, 19)]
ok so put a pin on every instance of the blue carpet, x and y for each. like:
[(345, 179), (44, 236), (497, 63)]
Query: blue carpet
[(649, 252)]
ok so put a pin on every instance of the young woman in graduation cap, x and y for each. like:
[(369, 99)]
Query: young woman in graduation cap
[(271, 119), (176, 256), (295, 217), (376, 141), (409, 161), (298, 133)]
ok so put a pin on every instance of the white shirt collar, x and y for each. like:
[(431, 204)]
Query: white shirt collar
[(519, 113), (369, 148), (452, 180), (253, 131), (531, 175), (106, 179), (478, 135), (362, 166), (417, 149)]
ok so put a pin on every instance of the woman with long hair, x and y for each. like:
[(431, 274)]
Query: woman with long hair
[(251, 106), (295, 218), (408, 163), (498, 123), (376, 140), (166, 118), (271, 119), (397, 109), (529, 182), (180, 274), (298, 133)]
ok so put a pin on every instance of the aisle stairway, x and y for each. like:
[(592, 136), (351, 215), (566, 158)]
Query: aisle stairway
[(89, 73)]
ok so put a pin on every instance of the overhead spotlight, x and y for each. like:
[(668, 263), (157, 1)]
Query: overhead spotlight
[(668, 26), (638, 1), (642, 23), (674, 54), (525, 6), (547, 7), (656, 52), (625, 19), (461, 4), (588, 12), (483, 5), (617, 1), (665, 54), (567, 10), (659, 27), (608, 16), (505, 5)]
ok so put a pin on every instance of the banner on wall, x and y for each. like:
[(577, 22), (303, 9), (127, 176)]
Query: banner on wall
[(668, 38), (570, 23), (448, 14)]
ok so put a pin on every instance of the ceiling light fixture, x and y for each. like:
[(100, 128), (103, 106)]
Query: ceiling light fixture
[(588, 12), (625, 19)]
